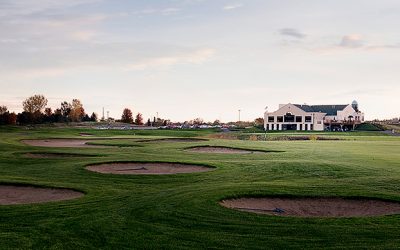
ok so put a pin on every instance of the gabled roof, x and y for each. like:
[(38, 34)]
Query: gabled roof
[(328, 109)]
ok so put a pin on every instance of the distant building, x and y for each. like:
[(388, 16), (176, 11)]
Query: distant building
[(314, 117)]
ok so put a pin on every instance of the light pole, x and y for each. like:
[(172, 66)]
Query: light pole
[(239, 114)]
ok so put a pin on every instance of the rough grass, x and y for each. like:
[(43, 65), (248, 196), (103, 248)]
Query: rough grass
[(182, 211)]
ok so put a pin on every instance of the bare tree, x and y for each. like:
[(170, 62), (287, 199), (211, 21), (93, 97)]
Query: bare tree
[(3, 109), (65, 109), (35, 104), (198, 121)]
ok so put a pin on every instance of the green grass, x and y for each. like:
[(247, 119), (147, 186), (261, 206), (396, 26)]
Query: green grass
[(368, 127), (182, 211)]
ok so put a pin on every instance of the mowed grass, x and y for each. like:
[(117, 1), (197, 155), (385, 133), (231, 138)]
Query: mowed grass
[(182, 211)]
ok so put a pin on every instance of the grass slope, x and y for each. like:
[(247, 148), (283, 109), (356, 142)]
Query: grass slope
[(182, 211)]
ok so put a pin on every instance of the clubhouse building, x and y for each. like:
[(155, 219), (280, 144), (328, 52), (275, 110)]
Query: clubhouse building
[(314, 117)]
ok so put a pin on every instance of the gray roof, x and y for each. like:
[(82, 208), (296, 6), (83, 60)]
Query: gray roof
[(328, 109)]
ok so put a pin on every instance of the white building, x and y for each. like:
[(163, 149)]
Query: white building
[(313, 117)]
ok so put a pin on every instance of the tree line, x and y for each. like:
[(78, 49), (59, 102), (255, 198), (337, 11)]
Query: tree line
[(36, 112)]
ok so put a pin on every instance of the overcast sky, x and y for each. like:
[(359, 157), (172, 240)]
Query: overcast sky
[(201, 58)]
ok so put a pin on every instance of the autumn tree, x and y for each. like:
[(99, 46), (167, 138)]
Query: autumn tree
[(35, 104), (8, 118), (127, 116), (11, 119), (77, 111), (259, 121), (139, 119)]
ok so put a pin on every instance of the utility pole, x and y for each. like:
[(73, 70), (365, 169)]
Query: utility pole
[(103, 115)]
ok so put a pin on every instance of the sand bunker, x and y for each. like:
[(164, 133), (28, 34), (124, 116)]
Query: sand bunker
[(314, 207), (86, 134), (174, 140), (221, 150), (61, 143), (54, 155), (147, 168), (10, 195)]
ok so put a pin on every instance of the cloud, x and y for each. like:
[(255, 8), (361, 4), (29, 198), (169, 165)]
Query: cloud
[(195, 57), (356, 41), (232, 6), (292, 33), (383, 47), (352, 41)]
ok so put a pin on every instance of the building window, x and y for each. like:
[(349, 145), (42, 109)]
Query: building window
[(301, 127), (271, 118), (299, 119), (311, 126), (308, 118), (273, 127), (279, 118), (289, 117)]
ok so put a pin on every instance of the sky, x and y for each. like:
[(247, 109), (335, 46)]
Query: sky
[(201, 58)]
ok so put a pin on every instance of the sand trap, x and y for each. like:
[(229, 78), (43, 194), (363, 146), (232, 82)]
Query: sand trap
[(221, 150), (54, 155), (86, 134), (10, 195), (314, 207), (173, 140), (147, 168), (61, 143)]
